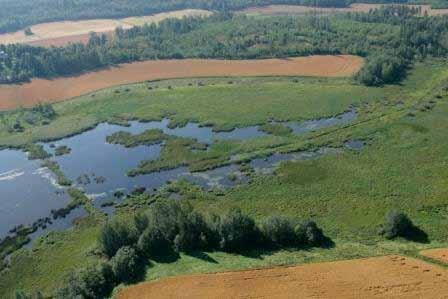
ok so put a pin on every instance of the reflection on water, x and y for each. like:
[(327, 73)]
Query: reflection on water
[(312, 125), (58, 225), (269, 164), (356, 145)]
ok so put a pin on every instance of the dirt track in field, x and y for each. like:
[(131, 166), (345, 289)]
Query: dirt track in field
[(440, 254), (42, 90), (298, 9), (63, 33), (380, 277)]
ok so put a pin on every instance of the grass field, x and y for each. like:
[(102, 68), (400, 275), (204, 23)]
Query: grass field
[(65, 32), (402, 167)]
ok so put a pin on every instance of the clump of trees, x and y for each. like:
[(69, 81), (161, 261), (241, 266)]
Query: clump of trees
[(41, 114), (93, 282), (28, 31), (170, 227), (382, 69), (398, 224), (115, 235), (126, 264)]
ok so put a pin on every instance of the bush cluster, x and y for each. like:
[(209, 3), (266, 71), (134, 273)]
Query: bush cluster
[(383, 69), (170, 227), (398, 224), (89, 283)]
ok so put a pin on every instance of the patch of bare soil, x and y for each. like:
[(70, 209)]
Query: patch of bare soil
[(379, 277), (440, 254), (43, 90)]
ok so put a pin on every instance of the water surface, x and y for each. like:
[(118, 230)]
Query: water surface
[(29, 192)]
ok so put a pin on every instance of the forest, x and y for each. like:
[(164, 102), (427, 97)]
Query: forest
[(396, 37), (18, 14)]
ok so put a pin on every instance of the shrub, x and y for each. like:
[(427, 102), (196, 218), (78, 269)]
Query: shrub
[(237, 232), (213, 239), (278, 231), (399, 225), (28, 31), (153, 242), (141, 222), (193, 232), (125, 264), (19, 294), (165, 216), (89, 283), (115, 235), (45, 110), (309, 234), (382, 69)]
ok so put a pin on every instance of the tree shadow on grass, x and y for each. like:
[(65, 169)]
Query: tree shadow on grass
[(141, 270), (327, 243), (166, 258), (416, 234), (203, 256), (256, 253)]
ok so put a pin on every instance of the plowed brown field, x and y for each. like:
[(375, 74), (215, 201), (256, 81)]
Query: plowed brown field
[(440, 254), (42, 90), (380, 277), (65, 32), (356, 7)]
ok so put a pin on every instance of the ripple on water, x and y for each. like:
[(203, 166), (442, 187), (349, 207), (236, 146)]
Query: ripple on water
[(26, 194)]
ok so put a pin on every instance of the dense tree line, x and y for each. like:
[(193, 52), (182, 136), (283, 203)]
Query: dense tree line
[(417, 38), (169, 227), (392, 38), (20, 14)]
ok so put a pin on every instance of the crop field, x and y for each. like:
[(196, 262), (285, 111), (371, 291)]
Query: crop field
[(355, 7), (65, 32), (439, 254), (379, 277), (43, 90)]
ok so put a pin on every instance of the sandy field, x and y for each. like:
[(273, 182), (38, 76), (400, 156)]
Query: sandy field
[(63, 33), (43, 90), (298, 10), (440, 254), (379, 277)]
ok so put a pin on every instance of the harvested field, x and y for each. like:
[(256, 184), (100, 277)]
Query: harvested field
[(440, 254), (356, 7), (63, 33), (380, 277), (42, 90)]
